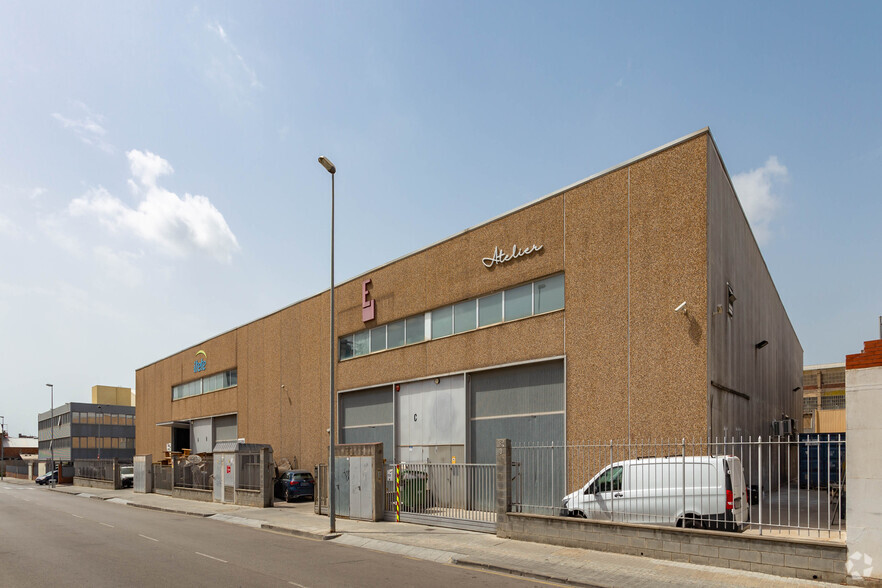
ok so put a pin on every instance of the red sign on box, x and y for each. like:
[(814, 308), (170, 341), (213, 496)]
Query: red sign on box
[(228, 469)]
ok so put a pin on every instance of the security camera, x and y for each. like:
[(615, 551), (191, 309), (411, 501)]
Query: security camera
[(681, 308)]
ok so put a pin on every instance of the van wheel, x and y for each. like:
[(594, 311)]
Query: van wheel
[(578, 514), (689, 522)]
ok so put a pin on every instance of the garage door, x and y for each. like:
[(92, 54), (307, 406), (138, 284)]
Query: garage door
[(366, 417)]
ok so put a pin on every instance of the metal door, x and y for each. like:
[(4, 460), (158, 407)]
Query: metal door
[(342, 474), (361, 489)]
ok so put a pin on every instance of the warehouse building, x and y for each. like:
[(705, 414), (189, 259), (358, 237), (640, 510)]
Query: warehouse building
[(634, 304)]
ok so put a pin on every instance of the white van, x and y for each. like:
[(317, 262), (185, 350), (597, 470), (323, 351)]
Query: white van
[(695, 491)]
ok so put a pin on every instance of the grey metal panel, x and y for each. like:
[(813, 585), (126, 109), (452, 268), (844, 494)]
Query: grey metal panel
[(225, 428), (431, 413), (341, 485), (378, 434), (201, 439), (361, 495), (544, 429), (366, 407), (522, 389)]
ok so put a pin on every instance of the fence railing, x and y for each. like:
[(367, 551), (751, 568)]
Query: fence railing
[(786, 485), (162, 478), (95, 469), (197, 476), (249, 471), (17, 469), (460, 492)]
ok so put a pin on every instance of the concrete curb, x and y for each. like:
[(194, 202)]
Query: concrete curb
[(171, 510), (299, 533), (467, 563)]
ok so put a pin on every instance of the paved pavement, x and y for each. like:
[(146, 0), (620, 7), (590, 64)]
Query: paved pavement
[(572, 566)]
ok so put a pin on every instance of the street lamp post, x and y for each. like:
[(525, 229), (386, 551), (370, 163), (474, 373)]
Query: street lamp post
[(2, 445), (326, 163), (51, 425)]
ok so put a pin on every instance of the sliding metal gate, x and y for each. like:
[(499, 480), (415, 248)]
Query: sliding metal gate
[(461, 496)]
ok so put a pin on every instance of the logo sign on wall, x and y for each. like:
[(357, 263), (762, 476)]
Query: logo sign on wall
[(201, 362), (368, 307), (500, 256)]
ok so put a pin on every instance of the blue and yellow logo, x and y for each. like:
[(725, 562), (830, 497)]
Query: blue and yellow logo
[(201, 362)]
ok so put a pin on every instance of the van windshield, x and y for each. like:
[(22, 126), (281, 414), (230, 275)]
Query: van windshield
[(609, 481)]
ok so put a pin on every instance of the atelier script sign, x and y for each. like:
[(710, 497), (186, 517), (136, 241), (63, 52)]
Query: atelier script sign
[(500, 256)]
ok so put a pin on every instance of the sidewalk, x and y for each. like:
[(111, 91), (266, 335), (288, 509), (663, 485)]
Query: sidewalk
[(578, 567)]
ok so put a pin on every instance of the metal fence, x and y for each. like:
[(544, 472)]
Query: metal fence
[(94, 469), (162, 478), (199, 476), (249, 471), (17, 469), (453, 495), (791, 485)]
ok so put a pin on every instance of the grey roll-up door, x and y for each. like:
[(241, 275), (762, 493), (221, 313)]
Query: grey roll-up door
[(366, 417), (225, 428), (526, 404)]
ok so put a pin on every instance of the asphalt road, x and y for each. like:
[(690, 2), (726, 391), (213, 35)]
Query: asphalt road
[(53, 539)]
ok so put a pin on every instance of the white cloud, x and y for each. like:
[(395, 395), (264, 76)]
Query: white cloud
[(7, 227), (217, 29), (36, 193), (756, 190), (121, 265), (177, 225), (88, 127)]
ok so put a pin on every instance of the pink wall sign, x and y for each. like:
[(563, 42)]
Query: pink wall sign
[(368, 307)]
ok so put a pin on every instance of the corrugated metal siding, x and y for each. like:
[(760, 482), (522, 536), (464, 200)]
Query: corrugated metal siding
[(366, 417), (527, 405), (527, 402)]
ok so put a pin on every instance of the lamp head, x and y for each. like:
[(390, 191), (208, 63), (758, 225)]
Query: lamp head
[(326, 163)]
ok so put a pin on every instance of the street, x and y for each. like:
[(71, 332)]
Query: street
[(51, 538)]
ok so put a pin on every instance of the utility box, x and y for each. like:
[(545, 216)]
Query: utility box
[(243, 473)]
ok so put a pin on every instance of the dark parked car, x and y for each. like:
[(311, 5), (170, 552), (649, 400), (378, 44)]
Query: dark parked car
[(295, 484), (47, 477)]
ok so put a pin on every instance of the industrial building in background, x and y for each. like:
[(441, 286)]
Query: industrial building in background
[(102, 429), (632, 305), (823, 398)]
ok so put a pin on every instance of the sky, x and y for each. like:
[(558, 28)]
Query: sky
[(159, 182)]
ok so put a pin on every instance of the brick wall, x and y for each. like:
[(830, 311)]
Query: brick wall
[(871, 356)]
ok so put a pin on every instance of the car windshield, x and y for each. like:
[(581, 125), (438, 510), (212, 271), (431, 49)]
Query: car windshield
[(302, 477)]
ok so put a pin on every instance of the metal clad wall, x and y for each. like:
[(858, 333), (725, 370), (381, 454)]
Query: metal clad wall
[(526, 404), (432, 414), (225, 428), (366, 417)]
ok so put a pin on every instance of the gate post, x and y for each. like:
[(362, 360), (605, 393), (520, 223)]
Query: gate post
[(503, 480)]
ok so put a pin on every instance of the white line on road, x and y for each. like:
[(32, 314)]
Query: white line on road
[(146, 537), (211, 557), (106, 525), (296, 584), (73, 515)]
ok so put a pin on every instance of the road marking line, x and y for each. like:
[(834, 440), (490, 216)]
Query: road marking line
[(296, 584), (146, 537), (212, 557), (106, 525), (73, 515)]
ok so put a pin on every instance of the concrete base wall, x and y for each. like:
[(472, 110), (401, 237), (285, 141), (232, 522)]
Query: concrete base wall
[(793, 558), (863, 476), (192, 494), (90, 483), (250, 498)]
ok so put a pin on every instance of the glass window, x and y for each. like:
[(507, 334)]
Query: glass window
[(464, 316), (518, 302), (232, 377), (395, 334), (378, 338), (76, 443), (490, 310), (548, 294), (115, 443), (362, 343), (91, 442), (107, 419), (346, 347), (416, 329), (442, 322)]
